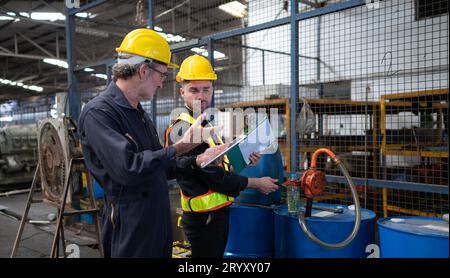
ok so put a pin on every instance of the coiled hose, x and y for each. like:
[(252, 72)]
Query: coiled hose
[(301, 215)]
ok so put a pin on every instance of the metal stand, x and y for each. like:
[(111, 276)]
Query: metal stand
[(25, 213), (59, 232)]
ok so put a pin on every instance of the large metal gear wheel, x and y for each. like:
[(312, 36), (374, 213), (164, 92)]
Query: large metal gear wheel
[(53, 162)]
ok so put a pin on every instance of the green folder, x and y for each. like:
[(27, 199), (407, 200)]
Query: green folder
[(236, 159)]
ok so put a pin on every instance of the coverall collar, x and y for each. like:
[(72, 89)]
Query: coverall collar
[(117, 95)]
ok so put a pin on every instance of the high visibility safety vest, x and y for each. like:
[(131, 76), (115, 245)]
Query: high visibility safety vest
[(211, 200)]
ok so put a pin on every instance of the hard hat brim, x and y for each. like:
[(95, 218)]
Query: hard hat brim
[(172, 66)]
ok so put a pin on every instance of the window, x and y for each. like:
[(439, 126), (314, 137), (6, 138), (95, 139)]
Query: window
[(430, 8)]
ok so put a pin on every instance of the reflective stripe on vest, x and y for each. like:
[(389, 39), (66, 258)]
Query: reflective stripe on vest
[(211, 200)]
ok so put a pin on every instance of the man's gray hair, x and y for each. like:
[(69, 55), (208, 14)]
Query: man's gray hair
[(127, 70), (124, 71)]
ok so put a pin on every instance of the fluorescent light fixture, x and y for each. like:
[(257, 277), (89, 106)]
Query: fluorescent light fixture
[(100, 75), (56, 62), (4, 17), (234, 8), (47, 16), (20, 84), (217, 54), (50, 16), (172, 38), (35, 88), (6, 119), (169, 37), (86, 15), (63, 64)]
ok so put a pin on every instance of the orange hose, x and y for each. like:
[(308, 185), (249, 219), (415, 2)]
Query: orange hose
[(320, 151)]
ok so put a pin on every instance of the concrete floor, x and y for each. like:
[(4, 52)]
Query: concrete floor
[(36, 239)]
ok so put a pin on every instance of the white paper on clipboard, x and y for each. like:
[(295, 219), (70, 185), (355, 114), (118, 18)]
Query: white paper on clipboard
[(261, 139), (232, 144), (254, 141)]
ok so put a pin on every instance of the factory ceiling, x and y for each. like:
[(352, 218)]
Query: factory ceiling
[(33, 50)]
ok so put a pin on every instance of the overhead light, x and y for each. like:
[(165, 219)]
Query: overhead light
[(11, 16), (6, 119), (45, 16), (171, 38), (56, 62), (20, 84), (63, 64), (217, 54), (100, 75), (4, 17), (86, 15), (50, 16), (234, 8)]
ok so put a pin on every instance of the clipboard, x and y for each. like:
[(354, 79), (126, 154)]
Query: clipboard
[(235, 142), (239, 148)]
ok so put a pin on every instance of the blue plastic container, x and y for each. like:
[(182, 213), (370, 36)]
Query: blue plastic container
[(98, 194), (88, 218), (250, 232), (270, 165), (98, 190), (413, 237), (291, 241)]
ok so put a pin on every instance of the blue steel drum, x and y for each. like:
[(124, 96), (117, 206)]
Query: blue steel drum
[(413, 237), (250, 232), (291, 241), (270, 165)]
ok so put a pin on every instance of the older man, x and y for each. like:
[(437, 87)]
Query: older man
[(122, 151)]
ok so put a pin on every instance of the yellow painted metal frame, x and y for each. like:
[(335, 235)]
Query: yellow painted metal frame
[(412, 212), (403, 102)]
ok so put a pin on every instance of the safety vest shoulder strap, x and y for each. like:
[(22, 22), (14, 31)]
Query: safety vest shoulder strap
[(182, 117), (186, 117)]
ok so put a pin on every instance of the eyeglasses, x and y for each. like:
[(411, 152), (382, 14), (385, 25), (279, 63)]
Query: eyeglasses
[(163, 75)]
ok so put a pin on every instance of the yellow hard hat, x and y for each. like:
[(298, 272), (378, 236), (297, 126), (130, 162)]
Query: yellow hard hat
[(147, 43), (196, 67)]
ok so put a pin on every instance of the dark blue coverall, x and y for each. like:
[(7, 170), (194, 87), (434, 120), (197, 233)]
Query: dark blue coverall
[(122, 151)]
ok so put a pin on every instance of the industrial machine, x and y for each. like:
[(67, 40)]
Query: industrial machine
[(65, 181), (57, 145), (18, 156)]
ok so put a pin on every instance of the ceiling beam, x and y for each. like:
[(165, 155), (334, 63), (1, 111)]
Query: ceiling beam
[(37, 45)]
